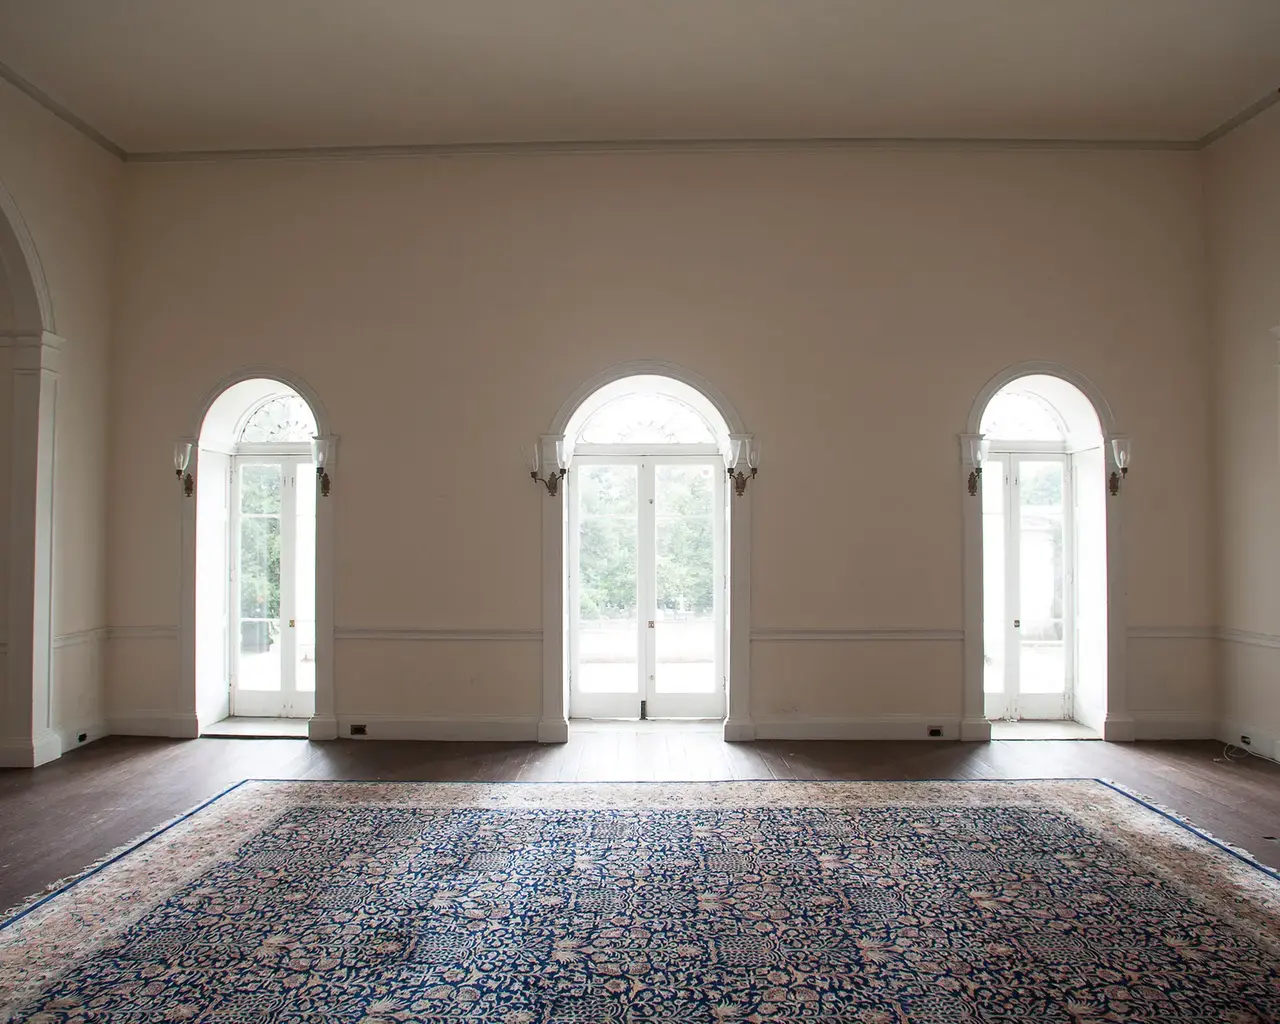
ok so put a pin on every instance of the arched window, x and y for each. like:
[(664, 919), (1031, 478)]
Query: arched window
[(279, 419), (1015, 414), (646, 418)]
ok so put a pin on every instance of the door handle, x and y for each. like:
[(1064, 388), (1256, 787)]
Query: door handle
[(291, 623)]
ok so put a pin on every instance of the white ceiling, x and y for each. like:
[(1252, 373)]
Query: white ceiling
[(165, 75)]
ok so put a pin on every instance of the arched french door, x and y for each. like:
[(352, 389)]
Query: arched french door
[(257, 615), (646, 553), (1044, 613), (647, 524)]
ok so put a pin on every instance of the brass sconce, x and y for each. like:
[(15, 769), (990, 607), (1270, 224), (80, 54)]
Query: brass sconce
[(320, 456), (1120, 449), (182, 459), (733, 458), (977, 456), (552, 480)]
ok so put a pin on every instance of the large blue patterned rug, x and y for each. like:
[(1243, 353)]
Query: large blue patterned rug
[(826, 903)]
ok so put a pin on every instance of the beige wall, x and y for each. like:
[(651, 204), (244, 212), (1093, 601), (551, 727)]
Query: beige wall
[(1243, 194), (850, 304), (68, 193)]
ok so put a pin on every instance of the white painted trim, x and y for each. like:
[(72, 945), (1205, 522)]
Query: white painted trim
[(465, 728), (322, 727), (175, 724), (81, 636), (1173, 725), (143, 633), (770, 634), (70, 734), (672, 146), (1118, 725), (439, 635), (23, 270), (33, 362), (555, 696), (1262, 741), (324, 693), (646, 368), (1173, 633), (880, 727), (1248, 638), (22, 752)]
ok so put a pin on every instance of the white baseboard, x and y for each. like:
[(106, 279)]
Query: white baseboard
[(70, 734), (469, 727), (975, 730), (1261, 741), (174, 724), (553, 730), (739, 730), (1172, 725), (23, 752), (884, 727), (322, 727)]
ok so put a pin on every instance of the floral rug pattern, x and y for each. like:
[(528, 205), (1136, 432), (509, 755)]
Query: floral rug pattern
[(865, 903)]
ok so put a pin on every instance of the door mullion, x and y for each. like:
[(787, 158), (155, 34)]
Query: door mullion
[(288, 583), (647, 579), (1013, 588)]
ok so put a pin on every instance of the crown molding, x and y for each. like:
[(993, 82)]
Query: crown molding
[(553, 147), (1242, 118), (59, 111), (655, 146)]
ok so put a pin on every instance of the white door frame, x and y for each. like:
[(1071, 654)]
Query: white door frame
[(627, 705), (1012, 702), (1118, 724), (297, 472), (323, 724), (554, 724)]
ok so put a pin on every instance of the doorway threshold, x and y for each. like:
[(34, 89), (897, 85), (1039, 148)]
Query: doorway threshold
[(258, 728), (1031, 730)]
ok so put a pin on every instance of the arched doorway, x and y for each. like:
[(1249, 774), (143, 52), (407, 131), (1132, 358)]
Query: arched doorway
[(1044, 554), (646, 554), (646, 578), (257, 616), (30, 357), (1044, 627)]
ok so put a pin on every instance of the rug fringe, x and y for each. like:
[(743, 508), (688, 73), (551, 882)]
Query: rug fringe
[(1188, 824), (28, 904)]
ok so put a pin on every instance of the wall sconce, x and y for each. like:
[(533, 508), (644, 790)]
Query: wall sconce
[(978, 447), (1121, 449), (733, 458), (182, 459), (320, 456), (552, 480)]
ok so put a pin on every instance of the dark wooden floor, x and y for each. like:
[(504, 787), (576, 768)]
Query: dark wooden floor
[(58, 818)]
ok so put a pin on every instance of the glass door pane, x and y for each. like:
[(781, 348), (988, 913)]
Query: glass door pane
[(607, 637), (258, 579), (304, 591), (1042, 577), (995, 618), (685, 572)]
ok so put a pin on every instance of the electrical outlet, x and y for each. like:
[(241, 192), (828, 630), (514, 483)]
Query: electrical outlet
[(1245, 741), (935, 730), (359, 730), (82, 737)]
